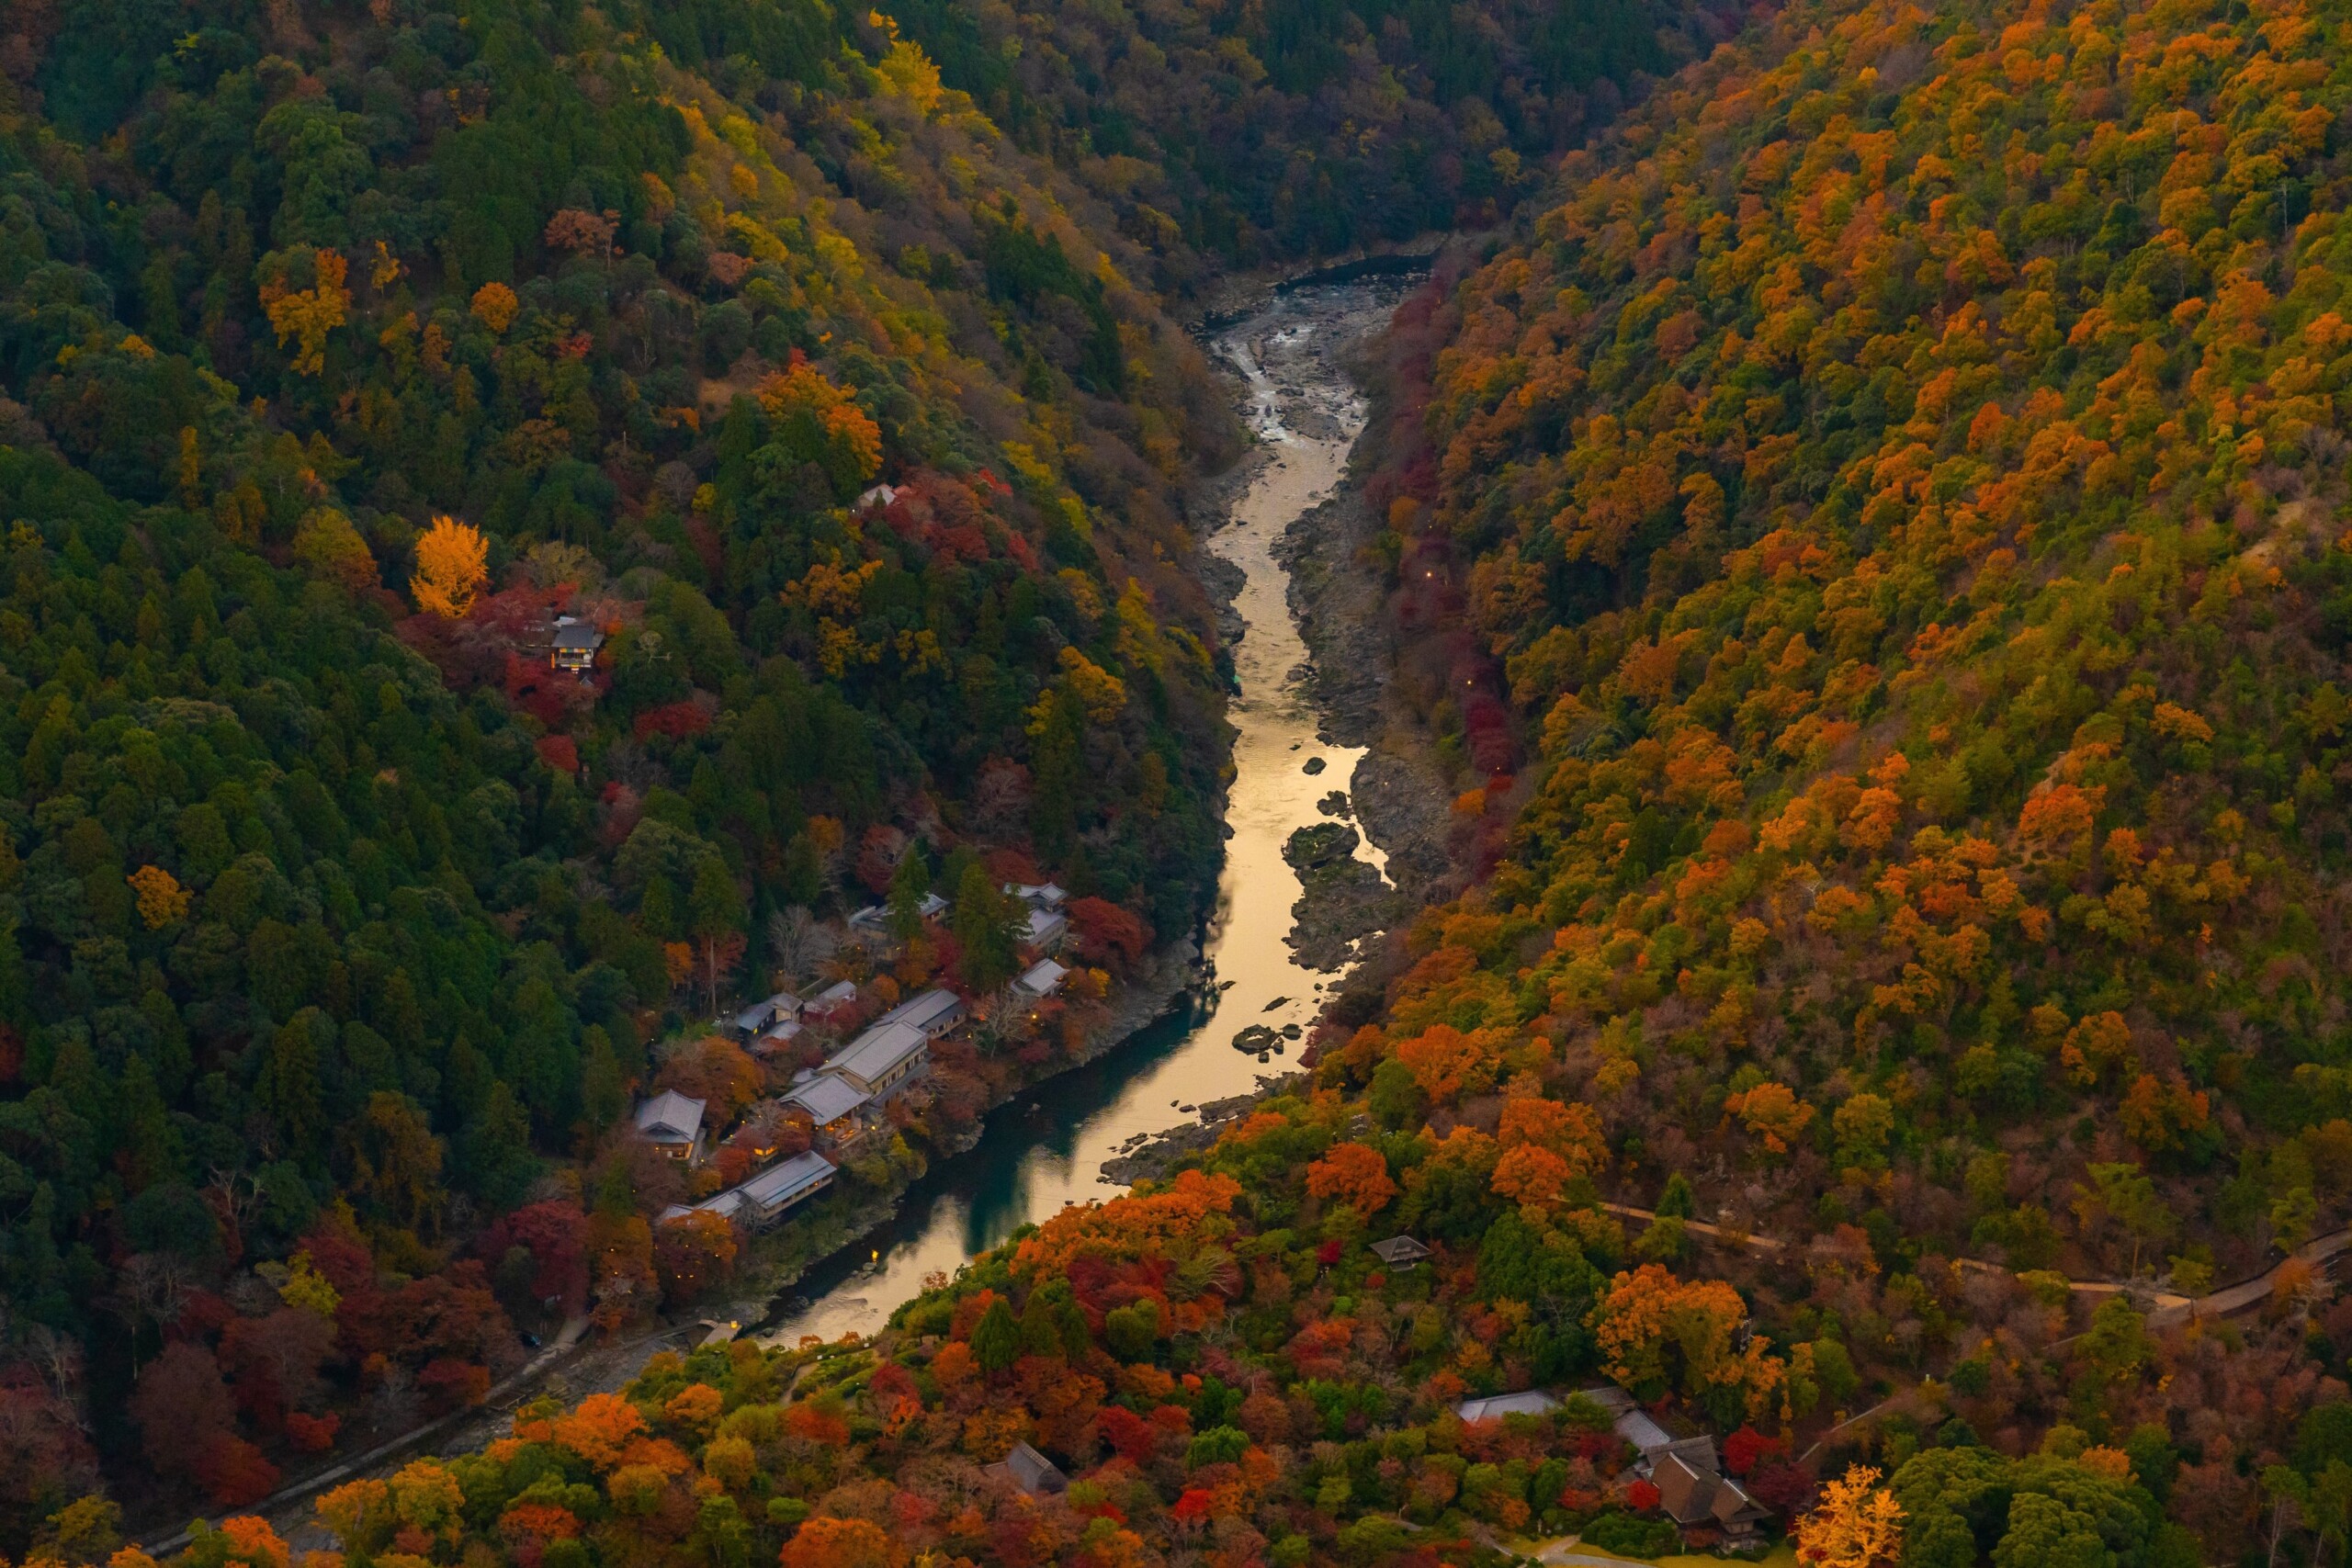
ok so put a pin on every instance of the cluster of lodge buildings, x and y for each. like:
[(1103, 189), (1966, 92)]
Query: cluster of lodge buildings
[(846, 1099), (1704, 1503)]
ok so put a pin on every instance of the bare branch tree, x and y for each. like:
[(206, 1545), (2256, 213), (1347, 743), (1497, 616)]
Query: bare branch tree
[(800, 942)]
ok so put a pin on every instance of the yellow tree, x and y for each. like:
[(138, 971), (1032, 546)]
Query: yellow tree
[(1772, 1114), (1858, 1524), (1658, 1333), (452, 564), (494, 305), (162, 899), (307, 315)]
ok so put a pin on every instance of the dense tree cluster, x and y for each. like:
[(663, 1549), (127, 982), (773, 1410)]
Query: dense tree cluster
[(342, 349), (1907, 556), (1249, 134), (1870, 545)]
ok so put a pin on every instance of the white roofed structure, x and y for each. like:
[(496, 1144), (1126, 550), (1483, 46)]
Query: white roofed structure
[(828, 1096), (1529, 1402), (830, 1000), (1045, 931), (776, 1037), (935, 1012), (673, 1123), (883, 1058), (780, 1186), (1042, 979)]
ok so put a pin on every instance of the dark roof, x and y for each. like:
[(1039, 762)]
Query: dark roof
[(579, 634), (1692, 1495), (1399, 1249)]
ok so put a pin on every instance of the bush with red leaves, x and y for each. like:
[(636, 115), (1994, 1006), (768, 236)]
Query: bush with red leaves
[(1783, 1487), (1107, 931), (452, 1384), (1744, 1449), (676, 720), (311, 1434), (235, 1472)]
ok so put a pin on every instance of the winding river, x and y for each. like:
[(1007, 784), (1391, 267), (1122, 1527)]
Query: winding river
[(1046, 1149)]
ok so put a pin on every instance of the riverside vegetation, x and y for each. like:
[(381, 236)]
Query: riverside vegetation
[(347, 348), (1871, 539)]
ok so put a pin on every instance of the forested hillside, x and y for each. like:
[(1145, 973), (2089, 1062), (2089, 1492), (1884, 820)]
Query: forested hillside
[(1224, 134), (331, 907), (1874, 541), (351, 355)]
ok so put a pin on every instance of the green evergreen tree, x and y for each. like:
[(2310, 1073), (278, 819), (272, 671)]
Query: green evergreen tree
[(909, 886), (983, 921), (996, 1338)]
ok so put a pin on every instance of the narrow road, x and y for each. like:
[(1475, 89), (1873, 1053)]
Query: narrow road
[(2231, 1299), (2227, 1301), (565, 1345), (2236, 1298)]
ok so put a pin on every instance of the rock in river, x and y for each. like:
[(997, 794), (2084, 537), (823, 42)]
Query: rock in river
[(1320, 845)]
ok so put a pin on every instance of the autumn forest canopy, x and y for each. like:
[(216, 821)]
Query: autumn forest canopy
[(526, 525)]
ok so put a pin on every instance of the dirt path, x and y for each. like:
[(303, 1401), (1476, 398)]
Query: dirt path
[(2228, 1301), (2167, 1307), (2231, 1300)]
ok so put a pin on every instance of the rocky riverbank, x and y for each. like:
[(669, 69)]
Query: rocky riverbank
[(1401, 793), (1339, 599), (1151, 1156), (1342, 899)]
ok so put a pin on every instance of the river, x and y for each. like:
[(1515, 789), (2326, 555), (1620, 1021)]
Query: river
[(1045, 1149)]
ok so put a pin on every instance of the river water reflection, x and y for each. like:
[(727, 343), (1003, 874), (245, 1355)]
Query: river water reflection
[(1046, 1148)]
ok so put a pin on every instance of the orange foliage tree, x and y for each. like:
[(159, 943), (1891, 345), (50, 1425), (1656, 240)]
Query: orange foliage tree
[(598, 1429), (1772, 1114), (1442, 1060), (1570, 1131), (843, 1543), (162, 899), (494, 305), (1354, 1175), (1194, 1206), (801, 401), (1658, 1332), (452, 565), (1532, 1173)]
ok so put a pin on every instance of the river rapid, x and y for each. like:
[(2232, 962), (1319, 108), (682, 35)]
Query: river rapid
[(1046, 1149)]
